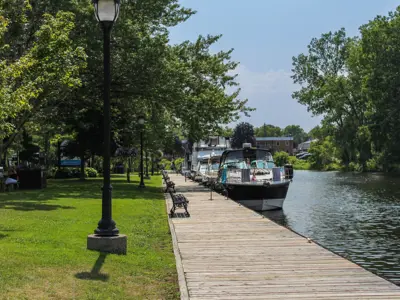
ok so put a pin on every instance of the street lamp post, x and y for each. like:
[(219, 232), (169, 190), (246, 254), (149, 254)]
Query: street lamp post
[(141, 124), (107, 236)]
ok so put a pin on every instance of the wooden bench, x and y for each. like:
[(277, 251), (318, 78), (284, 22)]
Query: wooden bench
[(178, 201)]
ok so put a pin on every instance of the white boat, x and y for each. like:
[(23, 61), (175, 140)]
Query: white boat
[(202, 151), (251, 178)]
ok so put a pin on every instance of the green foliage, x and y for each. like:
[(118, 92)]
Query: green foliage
[(295, 131), (281, 158), (51, 65), (323, 154), (181, 89), (353, 84), (91, 172), (178, 163), (244, 133), (299, 164), (268, 130), (166, 163)]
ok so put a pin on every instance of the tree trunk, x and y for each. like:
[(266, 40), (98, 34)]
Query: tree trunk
[(46, 151), (82, 177), (5, 159), (152, 165), (128, 172), (59, 154)]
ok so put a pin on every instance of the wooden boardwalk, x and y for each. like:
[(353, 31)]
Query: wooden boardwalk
[(226, 251)]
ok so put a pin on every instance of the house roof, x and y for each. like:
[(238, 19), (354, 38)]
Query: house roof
[(274, 138)]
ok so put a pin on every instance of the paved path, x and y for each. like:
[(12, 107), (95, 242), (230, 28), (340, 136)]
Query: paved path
[(226, 251)]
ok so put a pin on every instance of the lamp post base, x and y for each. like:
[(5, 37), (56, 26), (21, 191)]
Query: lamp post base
[(116, 244)]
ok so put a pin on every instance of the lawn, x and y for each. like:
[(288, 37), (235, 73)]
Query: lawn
[(43, 243)]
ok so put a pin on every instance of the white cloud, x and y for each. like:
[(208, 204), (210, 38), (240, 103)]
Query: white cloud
[(270, 93)]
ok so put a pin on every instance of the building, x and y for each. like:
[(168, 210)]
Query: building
[(305, 146), (275, 144)]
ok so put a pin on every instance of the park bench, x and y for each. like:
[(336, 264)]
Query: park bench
[(169, 184), (178, 201)]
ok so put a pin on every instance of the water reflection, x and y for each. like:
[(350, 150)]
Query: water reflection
[(354, 215)]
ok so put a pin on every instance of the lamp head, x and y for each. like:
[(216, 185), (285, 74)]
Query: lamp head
[(106, 10)]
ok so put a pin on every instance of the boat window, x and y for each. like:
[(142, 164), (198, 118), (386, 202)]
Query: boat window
[(248, 158), (214, 167)]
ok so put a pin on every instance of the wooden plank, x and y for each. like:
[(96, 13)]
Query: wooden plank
[(227, 251)]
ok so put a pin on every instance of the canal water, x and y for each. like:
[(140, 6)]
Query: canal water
[(354, 215)]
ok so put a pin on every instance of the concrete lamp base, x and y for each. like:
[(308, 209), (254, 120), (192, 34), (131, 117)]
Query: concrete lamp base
[(116, 244)]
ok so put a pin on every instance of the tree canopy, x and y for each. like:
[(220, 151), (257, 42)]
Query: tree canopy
[(243, 133), (353, 84), (52, 60)]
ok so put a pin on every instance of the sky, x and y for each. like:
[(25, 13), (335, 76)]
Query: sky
[(265, 35)]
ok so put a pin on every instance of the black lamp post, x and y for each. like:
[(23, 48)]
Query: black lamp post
[(106, 12), (141, 124)]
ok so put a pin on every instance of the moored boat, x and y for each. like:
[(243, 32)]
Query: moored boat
[(250, 177)]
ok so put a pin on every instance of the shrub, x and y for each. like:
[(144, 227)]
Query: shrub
[(166, 163), (301, 164), (354, 167), (178, 163), (281, 158), (91, 172)]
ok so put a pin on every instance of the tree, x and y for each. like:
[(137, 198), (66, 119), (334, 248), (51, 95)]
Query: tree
[(268, 130), (323, 153), (46, 69), (295, 131), (182, 89), (244, 133), (330, 88)]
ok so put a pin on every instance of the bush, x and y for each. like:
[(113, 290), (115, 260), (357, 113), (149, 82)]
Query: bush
[(178, 163), (281, 158), (355, 167), (166, 163), (91, 172), (298, 164)]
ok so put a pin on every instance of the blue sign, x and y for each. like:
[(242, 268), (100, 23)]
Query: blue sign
[(70, 162)]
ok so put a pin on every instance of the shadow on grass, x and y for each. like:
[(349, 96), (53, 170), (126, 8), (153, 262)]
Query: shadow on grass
[(28, 200), (3, 236), (29, 206), (95, 274)]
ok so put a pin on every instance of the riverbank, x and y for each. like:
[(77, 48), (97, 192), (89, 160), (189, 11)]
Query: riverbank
[(43, 243)]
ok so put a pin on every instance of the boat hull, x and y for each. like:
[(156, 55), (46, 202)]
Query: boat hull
[(259, 197)]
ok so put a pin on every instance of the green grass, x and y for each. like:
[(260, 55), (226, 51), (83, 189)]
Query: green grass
[(43, 243)]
